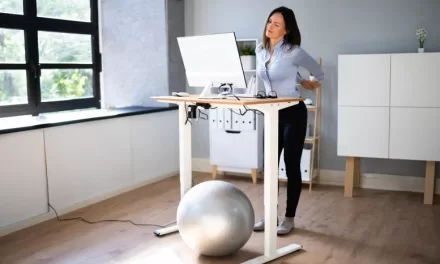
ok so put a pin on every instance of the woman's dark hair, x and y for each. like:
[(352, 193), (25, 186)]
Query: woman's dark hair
[(293, 35)]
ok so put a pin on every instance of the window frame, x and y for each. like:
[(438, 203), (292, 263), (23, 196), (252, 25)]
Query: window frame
[(31, 24)]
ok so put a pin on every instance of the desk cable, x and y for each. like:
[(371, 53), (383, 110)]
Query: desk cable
[(109, 220), (196, 112), (246, 108)]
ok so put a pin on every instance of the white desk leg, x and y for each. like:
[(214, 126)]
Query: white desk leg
[(185, 158), (270, 181), (271, 191)]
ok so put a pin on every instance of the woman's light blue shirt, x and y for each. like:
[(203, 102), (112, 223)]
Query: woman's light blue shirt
[(281, 74)]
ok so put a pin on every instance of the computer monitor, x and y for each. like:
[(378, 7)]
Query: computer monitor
[(212, 60)]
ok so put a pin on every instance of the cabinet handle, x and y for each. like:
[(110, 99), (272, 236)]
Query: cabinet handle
[(233, 131)]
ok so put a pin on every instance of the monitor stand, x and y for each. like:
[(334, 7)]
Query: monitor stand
[(250, 92), (207, 93)]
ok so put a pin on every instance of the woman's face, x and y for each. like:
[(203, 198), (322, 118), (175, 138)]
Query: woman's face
[(275, 27)]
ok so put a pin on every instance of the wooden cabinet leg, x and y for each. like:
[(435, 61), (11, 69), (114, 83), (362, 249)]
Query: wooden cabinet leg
[(254, 176), (352, 175), (429, 182), (214, 171), (357, 173)]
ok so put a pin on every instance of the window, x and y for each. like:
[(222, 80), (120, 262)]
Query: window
[(49, 56)]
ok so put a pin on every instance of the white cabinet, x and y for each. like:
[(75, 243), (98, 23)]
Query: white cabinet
[(415, 133), (87, 160), (90, 160), (149, 133), (363, 131), (388, 106), (364, 80), (236, 140), (415, 80), (23, 189), (74, 165)]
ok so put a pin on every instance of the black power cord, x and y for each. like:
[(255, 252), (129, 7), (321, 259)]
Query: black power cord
[(111, 220), (205, 114), (100, 221), (194, 110), (246, 108)]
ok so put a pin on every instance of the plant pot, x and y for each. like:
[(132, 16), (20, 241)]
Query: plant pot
[(421, 50), (248, 62)]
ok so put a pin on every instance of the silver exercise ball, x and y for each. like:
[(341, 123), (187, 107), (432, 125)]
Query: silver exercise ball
[(215, 218)]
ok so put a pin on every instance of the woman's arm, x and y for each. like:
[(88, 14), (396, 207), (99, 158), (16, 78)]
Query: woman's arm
[(303, 59)]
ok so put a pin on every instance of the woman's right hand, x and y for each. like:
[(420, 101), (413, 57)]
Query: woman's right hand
[(310, 85), (306, 84)]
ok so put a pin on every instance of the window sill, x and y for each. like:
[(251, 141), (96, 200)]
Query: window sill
[(24, 123)]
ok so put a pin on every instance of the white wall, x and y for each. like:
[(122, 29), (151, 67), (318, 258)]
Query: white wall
[(74, 165)]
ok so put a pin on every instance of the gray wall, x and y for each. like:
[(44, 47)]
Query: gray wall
[(176, 28), (328, 28), (135, 52)]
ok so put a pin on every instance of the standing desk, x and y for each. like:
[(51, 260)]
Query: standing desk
[(270, 108)]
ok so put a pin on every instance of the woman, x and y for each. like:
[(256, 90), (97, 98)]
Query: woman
[(279, 57)]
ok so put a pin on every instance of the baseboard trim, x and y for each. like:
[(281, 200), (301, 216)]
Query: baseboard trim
[(368, 180), (51, 214)]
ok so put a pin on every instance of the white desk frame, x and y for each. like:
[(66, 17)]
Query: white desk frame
[(270, 108)]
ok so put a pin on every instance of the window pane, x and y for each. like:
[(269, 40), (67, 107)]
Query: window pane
[(13, 88), (11, 6), (78, 10), (64, 84), (12, 46), (64, 47)]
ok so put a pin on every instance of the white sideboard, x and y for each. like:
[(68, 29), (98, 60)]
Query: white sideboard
[(388, 108), (74, 165)]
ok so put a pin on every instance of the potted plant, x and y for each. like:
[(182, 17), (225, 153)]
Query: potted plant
[(247, 56), (422, 34)]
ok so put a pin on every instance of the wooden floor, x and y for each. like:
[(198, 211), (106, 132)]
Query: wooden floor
[(374, 227)]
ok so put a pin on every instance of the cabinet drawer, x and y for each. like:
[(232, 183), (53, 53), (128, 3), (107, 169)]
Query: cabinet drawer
[(239, 149), (364, 80), (414, 133), (363, 131), (414, 80)]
